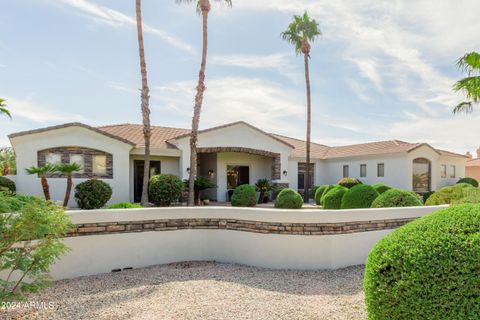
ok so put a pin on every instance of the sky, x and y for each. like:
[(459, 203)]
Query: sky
[(381, 69)]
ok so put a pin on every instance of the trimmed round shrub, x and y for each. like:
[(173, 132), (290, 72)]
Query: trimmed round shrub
[(164, 189), (289, 199), (7, 185), (330, 187), (92, 194), (397, 198), (333, 198), (427, 195), (447, 195), (469, 180), (124, 205), (380, 187), (319, 192), (427, 269), (244, 195), (349, 182), (360, 196)]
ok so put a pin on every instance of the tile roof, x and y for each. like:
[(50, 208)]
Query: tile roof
[(473, 163), (370, 148), (317, 151)]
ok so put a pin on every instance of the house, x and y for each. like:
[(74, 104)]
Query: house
[(230, 155), (472, 168)]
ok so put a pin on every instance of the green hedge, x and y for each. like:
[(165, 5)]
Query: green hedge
[(397, 198), (330, 187), (244, 195), (470, 181), (124, 205), (447, 195), (92, 194), (427, 195), (427, 269), (359, 196), (164, 189), (7, 185), (289, 199), (319, 192), (348, 182), (333, 198), (380, 187)]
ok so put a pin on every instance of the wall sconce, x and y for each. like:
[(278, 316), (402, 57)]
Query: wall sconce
[(188, 169), (211, 173), (285, 173)]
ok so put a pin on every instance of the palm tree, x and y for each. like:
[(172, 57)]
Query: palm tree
[(147, 131), (203, 7), (470, 86), (300, 32), (42, 172), (7, 161), (3, 108), (67, 169)]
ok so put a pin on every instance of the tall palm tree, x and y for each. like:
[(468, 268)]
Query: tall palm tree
[(42, 172), (300, 32), (147, 130), (3, 108), (203, 7), (67, 169), (470, 86)]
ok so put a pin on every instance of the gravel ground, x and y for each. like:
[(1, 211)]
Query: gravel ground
[(204, 290)]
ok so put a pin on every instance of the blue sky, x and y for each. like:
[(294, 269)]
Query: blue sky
[(381, 70)]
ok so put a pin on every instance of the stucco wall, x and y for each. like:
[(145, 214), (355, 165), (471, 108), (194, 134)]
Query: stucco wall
[(26, 148), (473, 172)]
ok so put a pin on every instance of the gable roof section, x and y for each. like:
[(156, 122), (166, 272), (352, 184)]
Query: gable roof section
[(317, 151), (67, 125)]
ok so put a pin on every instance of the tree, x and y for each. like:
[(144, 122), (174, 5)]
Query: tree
[(7, 161), (147, 131), (67, 169), (470, 86), (3, 108), (203, 7), (42, 172), (300, 32)]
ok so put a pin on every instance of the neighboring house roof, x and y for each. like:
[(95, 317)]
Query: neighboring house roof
[(473, 163)]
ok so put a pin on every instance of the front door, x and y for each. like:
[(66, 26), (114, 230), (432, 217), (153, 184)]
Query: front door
[(138, 166)]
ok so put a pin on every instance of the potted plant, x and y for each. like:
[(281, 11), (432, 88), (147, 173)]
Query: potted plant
[(263, 187)]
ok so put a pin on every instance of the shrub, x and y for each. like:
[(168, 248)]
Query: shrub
[(333, 198), (289, 199), (92, 194), (244, 195), (397, 198), (349, 182), (448, 194), (427, 269), (164, 189), (427, 195), (34, 219), (380, 187), (330, 187), (7, 184), (9, 202), (359, 196), (470, 195), (124, 205), (469, 180), (319, 193)]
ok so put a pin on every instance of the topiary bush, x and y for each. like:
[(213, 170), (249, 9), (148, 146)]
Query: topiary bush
[(330, 187), (470, 181), (427, 269), (92, 194), (427, 195), (124, 205), (318, 193), (7, 185), (333, 198), (289, 199), (348, 182), (164, 189), (447, 195), (380, 187), (359, 196), (244, 195), (397, 198)]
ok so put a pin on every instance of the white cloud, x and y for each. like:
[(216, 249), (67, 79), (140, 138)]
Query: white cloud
[(117, 19), (369, 69)]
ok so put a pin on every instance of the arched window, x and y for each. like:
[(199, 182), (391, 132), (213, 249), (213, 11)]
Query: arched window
[(422, 175)]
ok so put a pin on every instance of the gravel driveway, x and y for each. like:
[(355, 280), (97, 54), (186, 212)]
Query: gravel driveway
[(204, 290)]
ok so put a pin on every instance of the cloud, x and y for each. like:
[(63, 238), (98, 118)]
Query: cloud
[(117, 19), (369, 69)]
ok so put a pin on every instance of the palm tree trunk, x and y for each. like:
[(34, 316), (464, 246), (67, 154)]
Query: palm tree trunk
[(147, 131), (45, 187), (309, 111), (205, 6), (68, 191)]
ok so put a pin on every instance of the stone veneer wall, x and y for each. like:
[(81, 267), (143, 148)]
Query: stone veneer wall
[(237, 225)]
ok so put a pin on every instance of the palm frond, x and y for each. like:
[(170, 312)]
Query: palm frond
[(199, 3), (67, 168), (465, 106), (3, 108), (470, 63), (41, 170), (302, 28)]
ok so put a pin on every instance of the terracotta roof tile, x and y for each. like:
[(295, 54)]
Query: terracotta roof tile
[(317, 151), (473, 163)]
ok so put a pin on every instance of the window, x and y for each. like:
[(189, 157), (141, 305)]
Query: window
[(78, 159), (452, 171), (345, 171), (53, 158), (237, 175), (99, 164), (380, 170), (443, 170), (363, 170), (302, 169)]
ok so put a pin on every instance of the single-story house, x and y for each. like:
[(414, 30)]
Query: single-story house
[(230, 155)]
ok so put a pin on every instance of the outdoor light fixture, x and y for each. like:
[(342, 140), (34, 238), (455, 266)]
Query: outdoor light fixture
[(285, 173), (211, 173), (188, 169)]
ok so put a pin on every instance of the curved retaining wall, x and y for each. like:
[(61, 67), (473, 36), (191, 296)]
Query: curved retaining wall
[(104, 240)]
